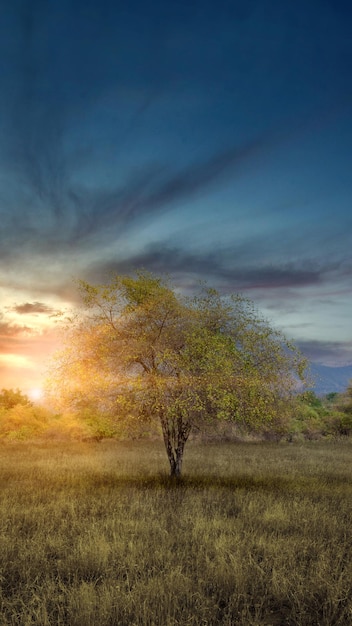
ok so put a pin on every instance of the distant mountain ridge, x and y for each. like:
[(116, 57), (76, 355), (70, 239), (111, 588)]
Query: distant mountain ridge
[(330, 379)]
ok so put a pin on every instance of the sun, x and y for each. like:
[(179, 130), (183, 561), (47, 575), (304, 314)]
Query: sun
[(35, 394)]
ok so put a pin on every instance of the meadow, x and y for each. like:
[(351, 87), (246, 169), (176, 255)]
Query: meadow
[(96, 534)]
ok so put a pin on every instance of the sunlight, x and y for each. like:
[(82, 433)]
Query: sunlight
[(35, 394), (15, 360)]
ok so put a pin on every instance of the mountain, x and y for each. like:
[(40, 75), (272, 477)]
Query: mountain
[(328, 379)]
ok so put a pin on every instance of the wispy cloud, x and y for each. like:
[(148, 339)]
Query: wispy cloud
[(66, 215), (224, 265)]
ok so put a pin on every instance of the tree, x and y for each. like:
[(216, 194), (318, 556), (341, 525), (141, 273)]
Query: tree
[(12, 397), (141, 349), (343, 404)]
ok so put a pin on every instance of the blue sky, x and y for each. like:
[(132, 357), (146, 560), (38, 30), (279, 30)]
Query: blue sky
[(207, 140)]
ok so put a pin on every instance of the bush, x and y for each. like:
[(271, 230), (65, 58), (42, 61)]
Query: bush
[(23, 422)]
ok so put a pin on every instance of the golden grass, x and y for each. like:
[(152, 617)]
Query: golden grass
[(98, 535)]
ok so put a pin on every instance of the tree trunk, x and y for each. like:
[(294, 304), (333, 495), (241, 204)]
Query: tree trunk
[(176, 467), (175, 444)]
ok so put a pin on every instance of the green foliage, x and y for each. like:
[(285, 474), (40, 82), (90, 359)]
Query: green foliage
[(254, 535), (309, 415), (315, 417), (338, 424), (142, 351), (331, 397), (343, 401), (310, 399)]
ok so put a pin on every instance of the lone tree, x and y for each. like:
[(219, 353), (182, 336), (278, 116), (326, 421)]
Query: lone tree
[(140, 348)]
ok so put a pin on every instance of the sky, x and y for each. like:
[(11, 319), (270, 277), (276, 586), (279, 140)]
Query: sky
[(207, 140)]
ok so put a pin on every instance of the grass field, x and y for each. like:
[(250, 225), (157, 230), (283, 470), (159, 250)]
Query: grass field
[(98, 535)]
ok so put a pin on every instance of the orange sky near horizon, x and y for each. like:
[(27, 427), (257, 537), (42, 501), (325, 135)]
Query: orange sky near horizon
[(28, 340)]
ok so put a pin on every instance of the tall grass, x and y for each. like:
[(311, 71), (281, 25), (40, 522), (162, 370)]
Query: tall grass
[(98, 535)]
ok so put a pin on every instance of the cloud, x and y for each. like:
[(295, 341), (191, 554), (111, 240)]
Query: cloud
[(328, 352), (9, 329), (225, 266), (20, 341), (33, 307), (77, 215), (150, 191)]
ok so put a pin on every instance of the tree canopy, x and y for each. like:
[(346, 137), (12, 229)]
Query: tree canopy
[(140, 349), (10, 398)]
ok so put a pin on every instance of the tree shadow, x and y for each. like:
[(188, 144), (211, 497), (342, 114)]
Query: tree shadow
[(165, 482)]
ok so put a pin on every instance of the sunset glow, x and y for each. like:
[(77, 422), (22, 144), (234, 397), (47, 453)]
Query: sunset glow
[(15, 361), (35, 394)]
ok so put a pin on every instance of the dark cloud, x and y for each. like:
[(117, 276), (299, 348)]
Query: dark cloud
[(224, 266), (329, 352), (33, 307)]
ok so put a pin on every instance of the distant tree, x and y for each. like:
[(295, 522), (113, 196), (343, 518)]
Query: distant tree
[(11, 397), (348, 396), (343, 403), (139, 348), (331, 397), (310, 399)]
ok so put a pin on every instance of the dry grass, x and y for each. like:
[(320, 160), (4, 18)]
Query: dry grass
[(97, 534)]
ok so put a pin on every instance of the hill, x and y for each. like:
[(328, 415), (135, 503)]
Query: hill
[(328, 379)]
